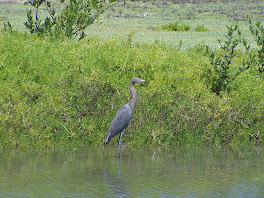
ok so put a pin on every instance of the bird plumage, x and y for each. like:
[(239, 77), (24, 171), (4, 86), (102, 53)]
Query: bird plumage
[(123, 115), (119, 122)]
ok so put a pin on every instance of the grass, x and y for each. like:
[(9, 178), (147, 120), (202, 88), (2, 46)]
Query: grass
[(123, 20)]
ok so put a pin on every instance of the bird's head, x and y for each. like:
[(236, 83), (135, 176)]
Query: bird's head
[(138, 80)]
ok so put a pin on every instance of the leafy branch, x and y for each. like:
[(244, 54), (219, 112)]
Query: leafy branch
[(72, 21), (221, 73), (257, 31)]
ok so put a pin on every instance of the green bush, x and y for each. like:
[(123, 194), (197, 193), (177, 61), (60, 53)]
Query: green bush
[(63, 92), (223, 70), (257, 57), (201, 28), (176, 26), (179, 26)]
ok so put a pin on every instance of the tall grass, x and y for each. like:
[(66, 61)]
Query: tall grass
[(62, 92)]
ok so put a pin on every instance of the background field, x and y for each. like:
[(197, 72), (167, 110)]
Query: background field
[(129, 19)]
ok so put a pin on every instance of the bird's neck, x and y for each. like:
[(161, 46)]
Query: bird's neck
[(133, 92)]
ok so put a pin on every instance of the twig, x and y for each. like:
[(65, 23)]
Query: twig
[(97, 14)]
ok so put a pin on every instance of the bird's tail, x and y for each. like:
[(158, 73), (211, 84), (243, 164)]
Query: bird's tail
[(107, 139)]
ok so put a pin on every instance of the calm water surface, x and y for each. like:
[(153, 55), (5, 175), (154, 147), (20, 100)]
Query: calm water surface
[(141, 172)]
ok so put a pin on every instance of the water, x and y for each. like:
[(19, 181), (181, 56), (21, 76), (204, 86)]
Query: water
[(141, 172)]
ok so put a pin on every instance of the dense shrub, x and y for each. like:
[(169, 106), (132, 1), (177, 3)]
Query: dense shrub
[(176, 26), (62, 92)]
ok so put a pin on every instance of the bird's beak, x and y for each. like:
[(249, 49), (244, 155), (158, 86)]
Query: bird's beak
[(145, 81)]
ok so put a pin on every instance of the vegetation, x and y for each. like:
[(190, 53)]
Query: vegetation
[(58, 91), (176, 26), (180, 26), (258, 32), (201, 28), (75, 17), (123, 19), (220, 74)]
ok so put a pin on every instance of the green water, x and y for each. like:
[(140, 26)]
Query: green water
[(141, 172)]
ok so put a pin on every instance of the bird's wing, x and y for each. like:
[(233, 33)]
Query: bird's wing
[(119, 122)]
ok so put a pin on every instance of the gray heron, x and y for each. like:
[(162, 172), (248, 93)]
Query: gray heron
[(123, 116)]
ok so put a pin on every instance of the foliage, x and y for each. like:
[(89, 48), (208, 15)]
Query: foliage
[(176, 26), (61, 92), (257, 31), (223, 71), (201, 28), (180, 26), (75, 17), (8, 27)]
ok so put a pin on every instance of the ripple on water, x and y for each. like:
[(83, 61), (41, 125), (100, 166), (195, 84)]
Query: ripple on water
[(155, 172)]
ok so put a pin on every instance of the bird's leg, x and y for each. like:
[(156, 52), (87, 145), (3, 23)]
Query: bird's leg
[(118, 172), (119, 144)]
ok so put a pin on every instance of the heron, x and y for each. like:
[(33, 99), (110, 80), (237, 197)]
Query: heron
[(123, 116)]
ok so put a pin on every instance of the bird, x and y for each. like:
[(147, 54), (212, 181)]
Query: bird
[(123, 116)]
